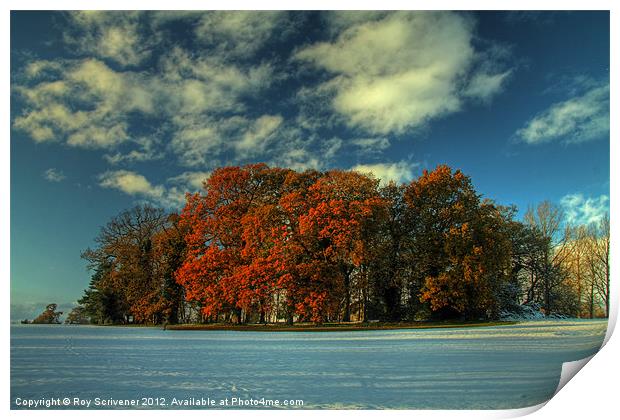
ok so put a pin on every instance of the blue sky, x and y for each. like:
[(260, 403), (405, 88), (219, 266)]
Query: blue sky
[(109, 109)]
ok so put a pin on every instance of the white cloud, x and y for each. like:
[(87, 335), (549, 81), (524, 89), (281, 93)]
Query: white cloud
[(397, 72), (191, 180), (371, 144), (195, 95), (131, 183), (208, 79), (146, 151), (38, 68), (584, 211), (258, 134), (300, 149), (388, 72), (114, 35), (484, 86), (579, 119), (54, 175), (339, 20), (137, 185), (239, 33), (198, 140), (398, 172), (107, 99), (187, 94), (299, 159)]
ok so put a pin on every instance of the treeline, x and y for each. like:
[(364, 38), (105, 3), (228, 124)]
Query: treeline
[(263, 244)]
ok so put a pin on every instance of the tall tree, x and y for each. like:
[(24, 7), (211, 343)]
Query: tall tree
[(125, 247), (546, 220), (442, 206), (344, 208), (388, 271), (219, 269), (599, 260)]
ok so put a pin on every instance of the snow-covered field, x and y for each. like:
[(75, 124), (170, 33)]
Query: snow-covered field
[(487, 367)]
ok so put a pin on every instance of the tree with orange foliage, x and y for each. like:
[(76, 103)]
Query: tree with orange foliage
[(344, 205), (478, 265), (261, 243), (302, 282), (226, 267), (125, 248)]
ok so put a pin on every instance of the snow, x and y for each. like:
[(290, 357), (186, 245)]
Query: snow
[(529, 311), (507, 366)]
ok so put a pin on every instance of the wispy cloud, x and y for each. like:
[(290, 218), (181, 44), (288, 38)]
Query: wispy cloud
[(54, 175), (582, 210), (581, 118), (146, 151), (170, 195), (371, 144), (484, 86), (258, 134), (190, 180), (115, 35), (239, 33)]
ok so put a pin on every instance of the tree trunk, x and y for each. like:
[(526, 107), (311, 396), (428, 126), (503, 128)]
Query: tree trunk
[(347, 294), (607, 287), (290, 315), (592, 300)]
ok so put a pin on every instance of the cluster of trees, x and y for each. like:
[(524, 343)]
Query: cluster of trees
[(262, 244), (584, 258)]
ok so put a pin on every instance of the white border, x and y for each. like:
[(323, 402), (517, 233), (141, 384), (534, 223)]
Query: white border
[(592, 395)]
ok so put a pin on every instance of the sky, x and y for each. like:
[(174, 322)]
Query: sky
[(112, 109)]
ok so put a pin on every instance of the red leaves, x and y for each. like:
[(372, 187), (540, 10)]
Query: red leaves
[(257, 231), (258, 234)]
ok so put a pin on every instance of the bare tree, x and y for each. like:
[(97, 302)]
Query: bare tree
[(599, 260), (546, 221)]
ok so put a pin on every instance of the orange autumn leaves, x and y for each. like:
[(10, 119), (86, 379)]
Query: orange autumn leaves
[(259, 231), (260, 237)]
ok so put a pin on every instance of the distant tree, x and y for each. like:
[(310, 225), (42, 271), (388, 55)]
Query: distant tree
[(77, 316), (49, 316), (510, 294)]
